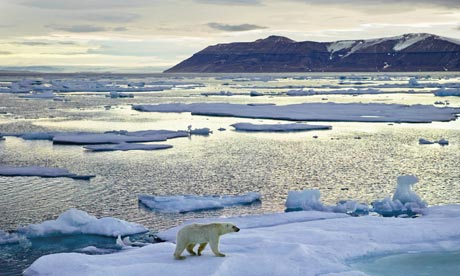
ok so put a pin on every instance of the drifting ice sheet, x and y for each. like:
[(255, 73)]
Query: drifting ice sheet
[(41, 171), (189, 203), (353, 112), (296, 247), (278, 127), (126, 147), (76, 221)]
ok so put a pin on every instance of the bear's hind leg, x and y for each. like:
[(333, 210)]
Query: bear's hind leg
[(201, 248), (190, 249)]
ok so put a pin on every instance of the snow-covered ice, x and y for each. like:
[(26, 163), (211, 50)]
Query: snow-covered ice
[(190, 203), (126, 147), (404, 201), (40, 171), (352, 112), (75, 221), (278, 127), (321, 245), (9, 238)]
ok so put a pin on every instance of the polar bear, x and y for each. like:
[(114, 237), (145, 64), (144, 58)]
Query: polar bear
[(203, 234)]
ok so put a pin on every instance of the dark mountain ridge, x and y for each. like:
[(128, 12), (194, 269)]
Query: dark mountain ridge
[(408, 52)]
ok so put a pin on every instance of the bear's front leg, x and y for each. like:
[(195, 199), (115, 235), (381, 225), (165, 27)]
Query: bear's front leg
[(177, 253), (214, 243), (190, 249)]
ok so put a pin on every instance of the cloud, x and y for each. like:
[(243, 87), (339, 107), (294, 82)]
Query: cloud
[(4, 53), (85, 4), (78, 28), (120, 29), (381, 3), (231, 2), (234, 28), (110, 17), (42, 43)]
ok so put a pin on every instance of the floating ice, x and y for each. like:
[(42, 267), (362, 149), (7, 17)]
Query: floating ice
[(255, 94), (40, 171), (444, 92), (126, 147), (300, 92), (8, 238), (278, 127), (423, 141), (278, 244), (305, 200), (115, 95), (117, 137), (442, 142), (199, 131), (353, 112), (189, 203), (75, 221), (92, 250), (404, 201)]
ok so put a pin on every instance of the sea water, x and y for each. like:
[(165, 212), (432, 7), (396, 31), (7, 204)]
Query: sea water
[(359, 161)]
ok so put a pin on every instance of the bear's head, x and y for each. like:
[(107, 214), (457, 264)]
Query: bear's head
[(230, 227)]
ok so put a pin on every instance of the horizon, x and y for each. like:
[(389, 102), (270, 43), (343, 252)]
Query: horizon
[(140, 36)]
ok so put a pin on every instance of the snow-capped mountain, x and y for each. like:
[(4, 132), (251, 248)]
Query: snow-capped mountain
[(408, 52)]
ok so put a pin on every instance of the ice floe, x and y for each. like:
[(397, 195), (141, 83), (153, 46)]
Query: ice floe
[(126, 147), (190, 203), (9, 238), (278, 127), (117, 137), (404, 201), (281, 244), (41, 172), (444, 92), (442, 142), (75, 221), (352, 112)]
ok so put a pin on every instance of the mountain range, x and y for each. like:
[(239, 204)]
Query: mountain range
[(406, 53)]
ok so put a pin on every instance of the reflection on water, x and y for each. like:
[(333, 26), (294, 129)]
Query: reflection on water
[(438, 263)]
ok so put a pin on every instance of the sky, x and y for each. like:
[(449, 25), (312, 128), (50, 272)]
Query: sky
[(153, 35)]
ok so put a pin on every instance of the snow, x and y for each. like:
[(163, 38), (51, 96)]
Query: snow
[(340, 45), (278, 127), (75, 221), (445, 92), (126, 147), (321, 246), (404, 201), (191, 203), (352, 112), (409, 40), (40, 171)]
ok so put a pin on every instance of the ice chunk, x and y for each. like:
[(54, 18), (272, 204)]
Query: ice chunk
[(305, 200), (126, 147), (351, 207), (278, 127), (92, 250), (404, 201), (189, 203), (444, 92), (443, 142), (301, 92), (114, 95), (423, 141), (255, 94), (199, 131), (351, 112), (8, 238), (40, 171), (75, 221)]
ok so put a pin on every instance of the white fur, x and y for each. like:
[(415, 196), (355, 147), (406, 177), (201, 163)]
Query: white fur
[(202, 234)]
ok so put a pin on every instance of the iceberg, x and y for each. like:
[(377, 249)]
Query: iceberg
[(278, 127), (75, 221), (340, 112), (41, 172), (9, 238), (404, 202), (193, 203), (126, 147), (276, 244)]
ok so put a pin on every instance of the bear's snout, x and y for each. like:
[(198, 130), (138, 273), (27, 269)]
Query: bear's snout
[(236, 229)]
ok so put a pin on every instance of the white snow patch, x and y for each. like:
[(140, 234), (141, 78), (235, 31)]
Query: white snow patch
[(409, 40), (323, 246), (75, 221)]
